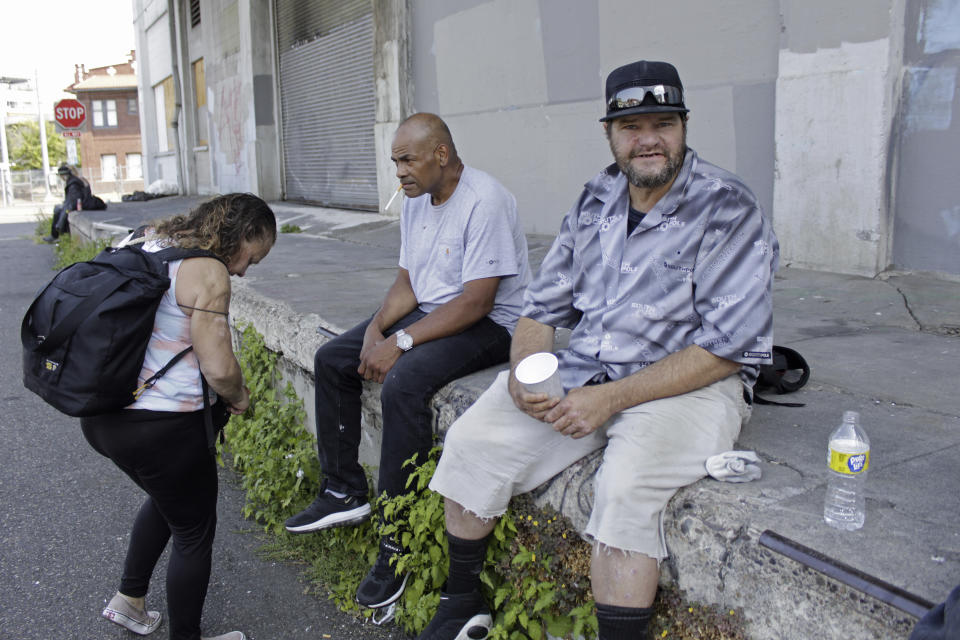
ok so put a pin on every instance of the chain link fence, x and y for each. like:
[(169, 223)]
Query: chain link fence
[(28, 185)]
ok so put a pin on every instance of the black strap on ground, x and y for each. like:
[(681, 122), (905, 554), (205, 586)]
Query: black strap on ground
[(853, 578)]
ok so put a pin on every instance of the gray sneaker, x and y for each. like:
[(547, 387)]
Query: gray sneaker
[(121, 612), (233, 635)]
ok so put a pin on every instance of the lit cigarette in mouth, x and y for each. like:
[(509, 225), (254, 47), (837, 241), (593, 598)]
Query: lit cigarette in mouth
[(394, 196)]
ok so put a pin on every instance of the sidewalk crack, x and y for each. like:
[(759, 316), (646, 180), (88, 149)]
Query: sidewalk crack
[(906, 305)]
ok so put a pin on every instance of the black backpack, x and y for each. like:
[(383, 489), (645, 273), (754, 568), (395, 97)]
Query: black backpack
[(85, 334), (788, 373)]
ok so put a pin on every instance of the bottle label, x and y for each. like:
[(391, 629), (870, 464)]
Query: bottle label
[(849, 463)]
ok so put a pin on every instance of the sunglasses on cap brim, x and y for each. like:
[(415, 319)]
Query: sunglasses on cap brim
[(663, 94)]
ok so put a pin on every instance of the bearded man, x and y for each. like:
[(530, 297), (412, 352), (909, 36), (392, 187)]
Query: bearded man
[(663, 269)]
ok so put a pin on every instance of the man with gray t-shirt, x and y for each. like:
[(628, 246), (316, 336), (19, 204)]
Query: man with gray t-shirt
[(451, 311)]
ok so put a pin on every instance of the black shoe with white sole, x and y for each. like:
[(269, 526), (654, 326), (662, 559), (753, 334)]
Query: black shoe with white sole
[(461, 616), (382, 585), (329, 511)]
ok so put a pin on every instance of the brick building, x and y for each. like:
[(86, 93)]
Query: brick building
[(110, 149)]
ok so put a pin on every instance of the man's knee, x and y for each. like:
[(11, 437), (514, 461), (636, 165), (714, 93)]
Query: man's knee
[(334, 356), (401, 386)]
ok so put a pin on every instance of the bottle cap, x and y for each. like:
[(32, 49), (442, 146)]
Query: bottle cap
[(851, 416)]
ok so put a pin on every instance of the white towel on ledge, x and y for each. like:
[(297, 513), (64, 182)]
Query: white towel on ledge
[(734, 466)]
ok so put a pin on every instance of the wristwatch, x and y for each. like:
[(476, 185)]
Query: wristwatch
[(404, 340)]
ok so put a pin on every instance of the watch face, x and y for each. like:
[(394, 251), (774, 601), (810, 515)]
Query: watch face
[(404, 341)]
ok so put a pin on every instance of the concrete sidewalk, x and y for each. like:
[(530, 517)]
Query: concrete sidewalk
[(886, 347)]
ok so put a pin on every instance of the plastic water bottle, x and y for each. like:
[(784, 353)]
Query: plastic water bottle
[(848, 460)]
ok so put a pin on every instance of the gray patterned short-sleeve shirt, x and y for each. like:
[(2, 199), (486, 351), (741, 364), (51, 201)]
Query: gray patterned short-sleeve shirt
[(698, 269)]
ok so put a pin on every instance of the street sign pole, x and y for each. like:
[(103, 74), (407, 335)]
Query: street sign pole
[(5, 185), (43, 136)]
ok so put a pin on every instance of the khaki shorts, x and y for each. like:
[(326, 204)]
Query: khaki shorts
[(495, 451)]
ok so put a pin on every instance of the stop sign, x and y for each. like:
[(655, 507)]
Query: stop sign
[(69, 113)]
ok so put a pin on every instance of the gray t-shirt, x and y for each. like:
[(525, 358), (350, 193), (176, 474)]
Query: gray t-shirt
[(474, 234)]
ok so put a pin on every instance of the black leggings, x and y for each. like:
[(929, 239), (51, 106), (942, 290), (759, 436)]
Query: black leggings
[(166, 454)]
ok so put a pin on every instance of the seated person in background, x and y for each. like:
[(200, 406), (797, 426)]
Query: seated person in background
[(663, 269), (76, 196), (450, 312)]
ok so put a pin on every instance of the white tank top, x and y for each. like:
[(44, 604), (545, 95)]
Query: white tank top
[(179, 389)]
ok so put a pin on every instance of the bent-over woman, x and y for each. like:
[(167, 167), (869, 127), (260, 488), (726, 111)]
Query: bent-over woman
[(160, 440)]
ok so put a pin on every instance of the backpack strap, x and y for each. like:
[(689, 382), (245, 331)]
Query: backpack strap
[(179, 253), (152, 380), (213, 430)]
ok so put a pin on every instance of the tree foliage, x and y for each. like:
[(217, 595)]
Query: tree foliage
[(23, 144)]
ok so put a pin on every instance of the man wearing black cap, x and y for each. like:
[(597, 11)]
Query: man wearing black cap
[(663, 271)]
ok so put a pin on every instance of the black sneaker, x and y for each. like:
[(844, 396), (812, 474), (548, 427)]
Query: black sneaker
[(461, 616), (382, 585), (329, 511)]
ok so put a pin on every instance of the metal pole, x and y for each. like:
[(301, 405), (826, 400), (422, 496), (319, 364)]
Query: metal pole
[(43, 136), (174, 57), (4, 156), (854, 578)]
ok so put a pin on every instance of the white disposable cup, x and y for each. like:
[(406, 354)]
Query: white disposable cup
[(540, 373)]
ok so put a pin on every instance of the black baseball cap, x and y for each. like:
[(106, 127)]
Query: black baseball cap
[(63, 169), (644, 86)]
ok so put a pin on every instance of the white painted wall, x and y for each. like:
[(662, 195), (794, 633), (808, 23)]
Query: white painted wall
[(499, 77), (832, 133)]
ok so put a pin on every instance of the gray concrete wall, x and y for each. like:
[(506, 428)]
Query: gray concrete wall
[(520, 83), (927, 212)]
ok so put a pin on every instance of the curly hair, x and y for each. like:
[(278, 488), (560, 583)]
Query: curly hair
[(222, 224)]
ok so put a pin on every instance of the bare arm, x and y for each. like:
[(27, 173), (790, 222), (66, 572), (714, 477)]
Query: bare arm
[(379, 354), (399, 301), (204, 284), (585, 409)]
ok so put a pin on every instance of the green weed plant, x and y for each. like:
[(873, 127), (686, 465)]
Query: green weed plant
[(70, 249), (537, 574), (269, 444)]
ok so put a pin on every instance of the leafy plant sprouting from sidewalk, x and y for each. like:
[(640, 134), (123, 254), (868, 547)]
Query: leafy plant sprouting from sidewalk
[(290, 228), (42, 228), (269, 444), (68, 248)]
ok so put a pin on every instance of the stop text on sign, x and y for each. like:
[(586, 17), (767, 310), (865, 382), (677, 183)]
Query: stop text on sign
[(69, 113)]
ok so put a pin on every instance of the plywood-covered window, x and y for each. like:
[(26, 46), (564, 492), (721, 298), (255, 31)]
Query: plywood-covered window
[(200, 99), (163, 98)]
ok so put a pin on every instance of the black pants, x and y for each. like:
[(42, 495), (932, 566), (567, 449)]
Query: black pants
[(60, 223), (166, 454), (405, 399), (942, 622)]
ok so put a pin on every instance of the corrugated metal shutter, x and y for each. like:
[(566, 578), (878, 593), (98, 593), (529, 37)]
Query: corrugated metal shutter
[(328, 101)]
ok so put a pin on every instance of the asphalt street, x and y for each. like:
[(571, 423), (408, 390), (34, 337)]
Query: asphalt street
[(66, 514)]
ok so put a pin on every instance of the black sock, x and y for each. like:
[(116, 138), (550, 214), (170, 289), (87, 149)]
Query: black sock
[(622, 623), (466, 563)]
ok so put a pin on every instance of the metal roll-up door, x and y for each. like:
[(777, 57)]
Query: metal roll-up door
[(327, 99)]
